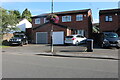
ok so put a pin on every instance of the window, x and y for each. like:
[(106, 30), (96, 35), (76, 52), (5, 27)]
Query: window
[(79, 17), (79, 36), (108, 18), (66, 18), (45, 20), (37, 21), (81, 32)]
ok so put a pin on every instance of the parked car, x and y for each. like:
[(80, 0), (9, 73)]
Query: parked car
[(18, 39), (75, 39), (110, 39)]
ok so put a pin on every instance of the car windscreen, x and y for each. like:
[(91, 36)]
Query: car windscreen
[(69, 36), (111, 35), (18, 36)]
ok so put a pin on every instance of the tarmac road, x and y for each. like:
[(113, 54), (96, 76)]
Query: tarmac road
[(20, 62), (32, 66)]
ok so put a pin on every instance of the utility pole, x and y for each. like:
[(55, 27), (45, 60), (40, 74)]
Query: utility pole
[(52, 28)]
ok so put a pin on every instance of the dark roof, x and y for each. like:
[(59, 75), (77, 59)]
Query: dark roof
[(64, 12), (59, 25), (109, 11)]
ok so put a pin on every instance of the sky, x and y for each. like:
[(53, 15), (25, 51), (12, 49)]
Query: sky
[(37, 8)]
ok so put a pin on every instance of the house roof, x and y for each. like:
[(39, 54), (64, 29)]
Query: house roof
[(64, 12), (59, 25), (109, 11)]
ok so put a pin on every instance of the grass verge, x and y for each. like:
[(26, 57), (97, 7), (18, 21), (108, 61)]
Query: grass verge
[(4, 46)]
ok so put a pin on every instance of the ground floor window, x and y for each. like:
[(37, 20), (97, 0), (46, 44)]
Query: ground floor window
[(81, 32)]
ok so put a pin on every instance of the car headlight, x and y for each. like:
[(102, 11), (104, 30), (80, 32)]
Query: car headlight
[(18, 40), (10, 40), (118, 41), (105, 41)]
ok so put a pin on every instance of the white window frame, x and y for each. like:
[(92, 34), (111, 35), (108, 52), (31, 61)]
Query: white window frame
[(108, 18), (37, 21), (45, 20), (79, 17), (66, 18)]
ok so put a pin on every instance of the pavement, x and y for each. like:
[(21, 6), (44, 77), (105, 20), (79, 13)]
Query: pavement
[(64, 51), (96, 54)]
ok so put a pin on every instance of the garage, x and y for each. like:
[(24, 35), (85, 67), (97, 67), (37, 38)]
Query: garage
[(58, 37), (41, 37), (42, 33)]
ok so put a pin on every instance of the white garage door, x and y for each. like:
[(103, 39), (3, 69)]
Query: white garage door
[(58, 37), (41, 37)]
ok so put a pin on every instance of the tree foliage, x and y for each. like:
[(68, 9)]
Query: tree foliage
[(27, 14), (8, 21), (17, 13), (96, 28)]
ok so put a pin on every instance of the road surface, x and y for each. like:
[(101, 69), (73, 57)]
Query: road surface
[(37, 66)]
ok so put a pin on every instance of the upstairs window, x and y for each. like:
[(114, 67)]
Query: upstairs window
[(108, 18), (79, 17), (37, 21), (66, 18), (45, 20)]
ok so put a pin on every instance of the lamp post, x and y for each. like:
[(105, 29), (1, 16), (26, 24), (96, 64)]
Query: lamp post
[(52, 28)]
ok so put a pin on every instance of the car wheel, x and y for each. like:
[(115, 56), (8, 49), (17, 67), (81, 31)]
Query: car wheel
[(9, 44), (65, 44), (102, 46), (118, 46), (26, 42), (21, 44), (76, 43)]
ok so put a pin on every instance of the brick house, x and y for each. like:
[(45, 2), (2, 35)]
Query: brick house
[(110, 20), (70, 22)]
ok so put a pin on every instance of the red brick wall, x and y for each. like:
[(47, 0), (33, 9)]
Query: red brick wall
[(109, 26), (47, 28), (119, 24), (73, 24), (29, 34)]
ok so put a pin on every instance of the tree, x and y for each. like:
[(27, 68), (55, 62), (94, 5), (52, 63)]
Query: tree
[(96, 28), (27, 14), (17, 13), (9, 21)]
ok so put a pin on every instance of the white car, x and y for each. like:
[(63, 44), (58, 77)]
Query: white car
[(75, 39)]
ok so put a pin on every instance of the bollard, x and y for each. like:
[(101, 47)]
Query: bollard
[(89, 45)]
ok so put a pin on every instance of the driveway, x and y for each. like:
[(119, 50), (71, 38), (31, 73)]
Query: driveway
[(39, 48), (77, 51)]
